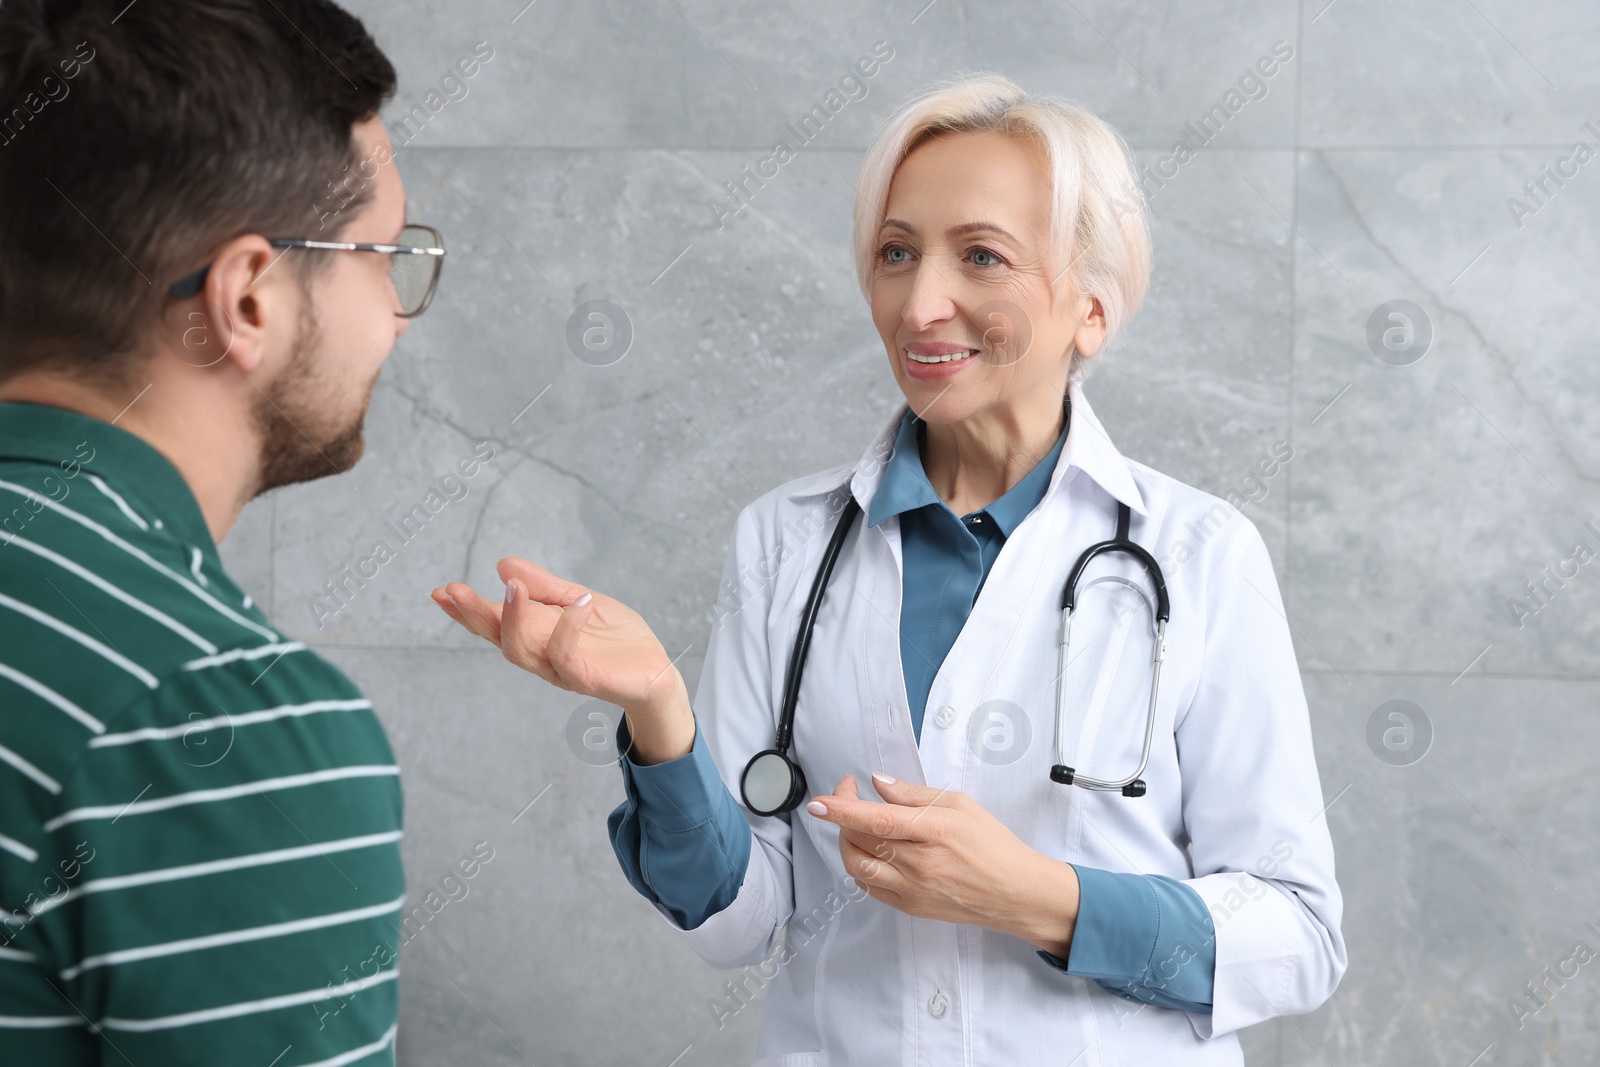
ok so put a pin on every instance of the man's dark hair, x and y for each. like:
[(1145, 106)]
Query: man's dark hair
[(137, 139)]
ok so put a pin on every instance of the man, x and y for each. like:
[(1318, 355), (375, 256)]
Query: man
[(199, 818)]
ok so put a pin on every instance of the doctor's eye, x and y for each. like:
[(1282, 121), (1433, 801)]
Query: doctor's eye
[(886, 253)]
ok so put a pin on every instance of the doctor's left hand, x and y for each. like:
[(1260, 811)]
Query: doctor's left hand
[(938, 854)]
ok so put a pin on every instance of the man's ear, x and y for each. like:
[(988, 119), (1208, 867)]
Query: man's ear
[(248, 295)]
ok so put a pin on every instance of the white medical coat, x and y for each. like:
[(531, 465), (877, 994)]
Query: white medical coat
[(1234, 808)]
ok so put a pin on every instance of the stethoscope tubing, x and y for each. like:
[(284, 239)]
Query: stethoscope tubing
[(808, 621), (1085, 780), (1132, 786)]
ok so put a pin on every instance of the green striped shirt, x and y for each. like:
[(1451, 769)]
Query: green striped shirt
[(199, 819)]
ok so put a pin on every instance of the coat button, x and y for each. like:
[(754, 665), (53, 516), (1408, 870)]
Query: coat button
[(944, 716), (937, 1004)]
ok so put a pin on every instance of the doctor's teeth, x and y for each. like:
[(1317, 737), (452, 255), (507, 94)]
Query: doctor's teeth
[(941, 359)]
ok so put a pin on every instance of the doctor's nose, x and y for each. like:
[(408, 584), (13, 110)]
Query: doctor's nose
[(930, 300)]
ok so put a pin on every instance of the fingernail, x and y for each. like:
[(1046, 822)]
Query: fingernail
[(511, 591), (882, 779), (584, 599), (817, 807), (452, 600)]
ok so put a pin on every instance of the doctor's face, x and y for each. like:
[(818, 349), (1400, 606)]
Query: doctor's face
[(963, 270)]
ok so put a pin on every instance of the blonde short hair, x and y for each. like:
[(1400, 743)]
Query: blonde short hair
[(1099, 222)]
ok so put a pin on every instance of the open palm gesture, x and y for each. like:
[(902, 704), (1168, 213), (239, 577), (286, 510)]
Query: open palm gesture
[(582, 641)]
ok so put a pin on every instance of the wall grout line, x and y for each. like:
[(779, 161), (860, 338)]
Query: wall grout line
[(1294, 312)]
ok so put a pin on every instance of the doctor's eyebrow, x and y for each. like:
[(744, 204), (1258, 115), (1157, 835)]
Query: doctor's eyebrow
[(955, 231)]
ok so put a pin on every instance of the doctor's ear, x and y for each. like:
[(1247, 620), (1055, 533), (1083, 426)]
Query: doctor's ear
[(1090, 333)]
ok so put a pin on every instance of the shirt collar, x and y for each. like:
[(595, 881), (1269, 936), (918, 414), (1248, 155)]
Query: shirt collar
[(1087, 448), (70, 440), (905, 486)]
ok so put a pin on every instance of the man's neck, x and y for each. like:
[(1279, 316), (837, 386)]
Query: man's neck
[(218, 462)]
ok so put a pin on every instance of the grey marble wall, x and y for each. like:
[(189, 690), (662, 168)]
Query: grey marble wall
[(1429, 485)]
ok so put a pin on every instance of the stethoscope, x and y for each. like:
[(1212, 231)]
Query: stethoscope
[(774, 784)]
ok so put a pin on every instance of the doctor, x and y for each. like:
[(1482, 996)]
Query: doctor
[(949, 902)]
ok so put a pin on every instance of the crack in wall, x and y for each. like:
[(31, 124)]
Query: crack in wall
[(1507, 363)]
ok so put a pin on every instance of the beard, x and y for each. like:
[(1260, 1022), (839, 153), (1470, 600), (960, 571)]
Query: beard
[(304, 435)]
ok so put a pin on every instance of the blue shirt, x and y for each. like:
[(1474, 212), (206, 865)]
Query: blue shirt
[(945, 558), (683, 841)]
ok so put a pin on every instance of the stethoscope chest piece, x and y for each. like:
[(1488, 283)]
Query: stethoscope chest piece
[(772, 783)]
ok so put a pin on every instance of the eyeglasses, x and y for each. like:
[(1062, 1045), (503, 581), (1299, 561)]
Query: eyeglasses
[(413, 267)]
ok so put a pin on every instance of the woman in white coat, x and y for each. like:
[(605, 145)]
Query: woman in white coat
[(975, 911)]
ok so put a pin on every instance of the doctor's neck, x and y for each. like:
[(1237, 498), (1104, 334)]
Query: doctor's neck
[(973, 461)]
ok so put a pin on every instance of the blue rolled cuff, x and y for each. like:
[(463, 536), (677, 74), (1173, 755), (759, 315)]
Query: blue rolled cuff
[(1145, 937), (680, 836)]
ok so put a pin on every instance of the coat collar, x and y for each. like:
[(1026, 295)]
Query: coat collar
[(1088, 448)]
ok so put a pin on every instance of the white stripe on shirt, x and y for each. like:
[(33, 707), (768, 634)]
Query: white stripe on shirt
[(19, 850), (245, 718), (18, 955), (358, 1053), (283, 648), (27, 768), (38, 1022), (207, 796), (122, 505), (233, 937), (249, 1007), (142, 556), (194, 566), (104, 586), (233, 863), (99, 649), (43, 691)]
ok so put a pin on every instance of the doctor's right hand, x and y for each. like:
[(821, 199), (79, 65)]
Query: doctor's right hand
[(583, 642)]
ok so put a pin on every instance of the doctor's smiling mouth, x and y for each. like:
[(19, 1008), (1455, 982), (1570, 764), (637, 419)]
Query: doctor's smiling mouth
[(1000, 242)]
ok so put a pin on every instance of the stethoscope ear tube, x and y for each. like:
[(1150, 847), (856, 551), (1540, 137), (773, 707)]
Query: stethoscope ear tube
[(1120, 543), (1133, 785)]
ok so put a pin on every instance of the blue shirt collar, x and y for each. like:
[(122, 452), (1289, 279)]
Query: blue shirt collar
[(905, 486)]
